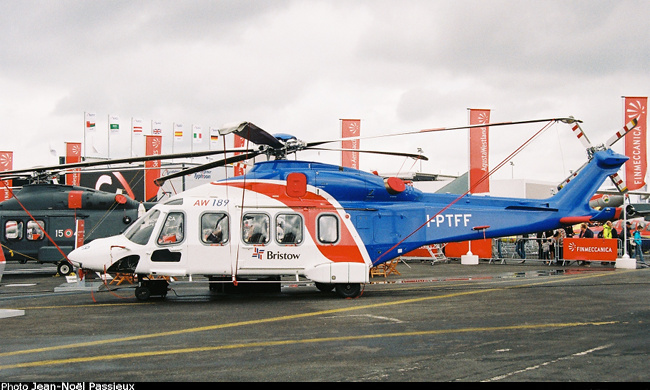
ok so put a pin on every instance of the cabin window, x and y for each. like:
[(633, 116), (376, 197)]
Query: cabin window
[(328, 229), (255, 228), (14, 230), (172, 230), (288, 229), (35, 230), (214, 228), (140, 232)]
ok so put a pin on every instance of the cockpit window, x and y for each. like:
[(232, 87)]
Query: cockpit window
[(141, 230), (14, 230), (172, 231), (35, 230)]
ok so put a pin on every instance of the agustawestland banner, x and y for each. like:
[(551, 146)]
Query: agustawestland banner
[(153, 147), (635, 142), (6, 164), (73, 155), (479, 151), (350, 128)]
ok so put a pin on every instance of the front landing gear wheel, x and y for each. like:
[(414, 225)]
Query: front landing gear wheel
[(142, 293), (64, 268), (348, 290)]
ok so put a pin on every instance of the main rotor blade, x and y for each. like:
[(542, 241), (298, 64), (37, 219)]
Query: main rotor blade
[(622, 133), (86, 164), (251, 132), (411, 155), (214, 164), (568, 120)]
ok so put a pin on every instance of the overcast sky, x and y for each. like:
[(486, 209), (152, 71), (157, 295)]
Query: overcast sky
[(300, 66)]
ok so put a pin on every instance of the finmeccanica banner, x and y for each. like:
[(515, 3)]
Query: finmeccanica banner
[(590, 249), (73, 155), (635, 142), (239, 142), (350, 128), (479, 151), (6, 164), (153, 147)]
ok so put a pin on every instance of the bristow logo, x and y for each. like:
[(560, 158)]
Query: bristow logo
[(258, 253), (270, 255)]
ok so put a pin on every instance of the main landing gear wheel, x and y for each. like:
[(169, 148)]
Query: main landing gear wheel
[(324, 287), (64, 268), (348, 290)]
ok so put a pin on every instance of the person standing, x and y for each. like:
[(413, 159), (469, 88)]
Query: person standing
[(638, 243), (521, 248)]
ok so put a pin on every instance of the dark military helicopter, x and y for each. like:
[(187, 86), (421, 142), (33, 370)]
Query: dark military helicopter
[(44, 221)]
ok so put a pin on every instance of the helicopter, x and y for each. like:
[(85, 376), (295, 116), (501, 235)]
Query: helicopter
[(326, 223)]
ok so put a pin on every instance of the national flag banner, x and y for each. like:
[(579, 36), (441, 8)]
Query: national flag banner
[(479, 166), (114, 123), (137, 141), (73, 155), (156, 127), (152, 168), (6, 164), (136, 126), (197, 134), (635, 142), (90, 121), (178, 131), (214, 138), (180, 142), (90, 130), (350, 128)]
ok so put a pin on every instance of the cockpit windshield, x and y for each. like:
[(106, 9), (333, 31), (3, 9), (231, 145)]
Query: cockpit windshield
[(141, 230)]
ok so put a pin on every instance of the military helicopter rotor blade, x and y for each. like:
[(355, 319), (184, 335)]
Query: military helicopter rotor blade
[(399, 154), (214, 164), (127, 160)]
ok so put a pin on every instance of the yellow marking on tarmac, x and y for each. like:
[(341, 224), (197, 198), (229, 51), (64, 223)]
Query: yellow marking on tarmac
[(272, 319), (167, 352)]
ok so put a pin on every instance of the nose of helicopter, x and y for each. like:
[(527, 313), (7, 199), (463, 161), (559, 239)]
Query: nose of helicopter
[(94, 256)]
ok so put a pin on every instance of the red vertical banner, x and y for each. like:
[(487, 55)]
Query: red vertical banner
[(153, 147), (239, 143), (73, 155), (350, 128), (479, 151), (635, 142), (6, 164)]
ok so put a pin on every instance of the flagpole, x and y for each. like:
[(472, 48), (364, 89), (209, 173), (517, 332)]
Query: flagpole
[(108, 137)]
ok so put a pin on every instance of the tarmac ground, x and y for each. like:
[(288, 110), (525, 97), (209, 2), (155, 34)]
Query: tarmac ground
[(447, 322)]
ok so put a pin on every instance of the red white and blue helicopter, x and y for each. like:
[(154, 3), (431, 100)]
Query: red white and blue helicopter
[(323, 222)]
